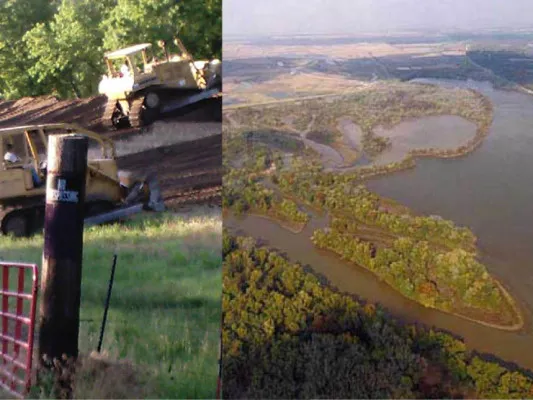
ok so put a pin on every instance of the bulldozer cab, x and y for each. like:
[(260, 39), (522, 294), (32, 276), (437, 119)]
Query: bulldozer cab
[(128, 70), (22, 149), (16, 147), (137, 67), (130, 62)]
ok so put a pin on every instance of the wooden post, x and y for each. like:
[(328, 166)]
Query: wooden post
[(63, 246)]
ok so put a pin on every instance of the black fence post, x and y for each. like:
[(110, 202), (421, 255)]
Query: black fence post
[(63, 247)]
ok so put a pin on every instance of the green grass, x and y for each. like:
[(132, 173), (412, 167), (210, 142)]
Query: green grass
[(165, 308)]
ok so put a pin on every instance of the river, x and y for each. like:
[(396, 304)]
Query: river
[(489, 191)]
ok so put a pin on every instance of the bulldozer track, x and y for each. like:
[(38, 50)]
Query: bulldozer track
[(33, 211), (107, 119), (136, 109), (28, 211)]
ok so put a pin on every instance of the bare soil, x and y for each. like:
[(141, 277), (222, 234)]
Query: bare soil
[(188, 154), (48, 109), (189, 172), (84, 112)]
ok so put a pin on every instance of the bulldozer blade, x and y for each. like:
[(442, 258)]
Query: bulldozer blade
[(113, 216), (195, 98), (155, 203), (152, 202), (135, 195)]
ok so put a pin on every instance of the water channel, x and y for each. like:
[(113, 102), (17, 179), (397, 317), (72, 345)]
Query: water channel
[(490, 191)]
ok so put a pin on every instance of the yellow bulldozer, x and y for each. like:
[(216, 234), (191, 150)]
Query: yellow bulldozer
[(110, 193), (140, 88)]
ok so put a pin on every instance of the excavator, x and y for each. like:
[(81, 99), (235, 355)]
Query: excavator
[(111, 194), (140, 88)]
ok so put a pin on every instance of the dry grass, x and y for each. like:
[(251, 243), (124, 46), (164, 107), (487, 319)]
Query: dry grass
[(305, 83), (93, 376), (346, 51), (93, 379)]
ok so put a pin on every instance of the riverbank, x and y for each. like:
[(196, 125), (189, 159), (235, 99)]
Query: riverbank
[(409, 161), (483, 129)]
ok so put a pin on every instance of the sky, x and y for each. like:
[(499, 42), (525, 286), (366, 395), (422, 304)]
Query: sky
[(287, 17)]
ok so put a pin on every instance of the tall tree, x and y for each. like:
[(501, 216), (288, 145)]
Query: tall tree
[(198, 24), (16, 18), (67, 51)]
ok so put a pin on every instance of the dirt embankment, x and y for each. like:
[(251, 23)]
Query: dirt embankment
[(48, 109), (189, 172), (85, 112)]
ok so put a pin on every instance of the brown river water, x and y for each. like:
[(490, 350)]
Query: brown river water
[(490, 191)]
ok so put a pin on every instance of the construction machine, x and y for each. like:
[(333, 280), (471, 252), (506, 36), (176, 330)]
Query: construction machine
[(140, 88), (110, 193)]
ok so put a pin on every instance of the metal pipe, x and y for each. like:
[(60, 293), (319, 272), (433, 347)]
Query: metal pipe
[(190, 100), (108, 298), (113, 215)]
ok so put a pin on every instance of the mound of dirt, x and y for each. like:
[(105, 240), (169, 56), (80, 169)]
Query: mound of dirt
[(84, 112)]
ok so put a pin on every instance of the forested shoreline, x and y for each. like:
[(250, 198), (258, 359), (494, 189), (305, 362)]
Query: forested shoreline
[(286, 335)]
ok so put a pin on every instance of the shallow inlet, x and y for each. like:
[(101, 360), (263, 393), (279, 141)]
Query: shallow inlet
[(438, 132)]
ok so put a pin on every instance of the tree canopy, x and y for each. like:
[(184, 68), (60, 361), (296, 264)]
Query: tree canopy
[(286, 335), (57, 46)]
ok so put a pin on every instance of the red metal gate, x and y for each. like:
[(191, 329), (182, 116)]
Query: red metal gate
[(19, 299)]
